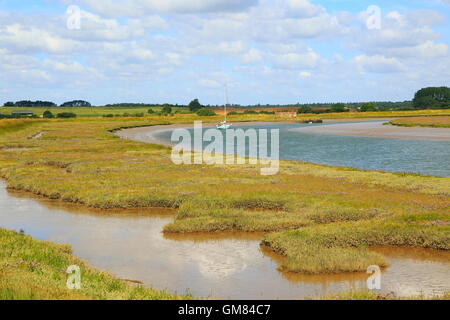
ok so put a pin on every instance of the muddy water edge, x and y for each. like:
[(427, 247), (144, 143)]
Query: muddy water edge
[(130, 244)]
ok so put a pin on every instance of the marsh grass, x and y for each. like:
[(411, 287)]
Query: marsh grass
[(434, 122), (344, 247), (36, 270), (8, 126), (81, 161)]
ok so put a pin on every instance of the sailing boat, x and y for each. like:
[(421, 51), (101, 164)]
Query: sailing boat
[(225, 125)]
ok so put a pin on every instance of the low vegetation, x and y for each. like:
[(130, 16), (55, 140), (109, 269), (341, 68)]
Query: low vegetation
[(36, 270), (344, 247), (434, 122), (87, 112), (321, 218)]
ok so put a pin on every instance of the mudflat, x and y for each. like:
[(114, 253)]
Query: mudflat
[(377, 129), (148, 134)]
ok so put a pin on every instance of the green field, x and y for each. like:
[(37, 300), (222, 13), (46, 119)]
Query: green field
[(92, 112), (88, 112)]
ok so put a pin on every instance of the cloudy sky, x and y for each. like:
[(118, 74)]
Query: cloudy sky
[(267, 51)]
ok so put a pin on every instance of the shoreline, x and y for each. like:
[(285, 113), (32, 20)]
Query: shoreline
[(378, 130), (350, 127), (147, 134)]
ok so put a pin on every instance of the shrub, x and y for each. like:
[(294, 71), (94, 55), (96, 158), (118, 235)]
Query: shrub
[(66, 115), (367, 107), (166, 110), (338, 107), (206, 113), (250, 112), (195, 105), (151, 111), (305, 109), (48, 114), (266, 112), (108, 116)]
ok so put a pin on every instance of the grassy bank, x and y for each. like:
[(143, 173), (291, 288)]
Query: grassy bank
[(8, 126), (344, 247), (308, 205), (434, 122), (36, 270)]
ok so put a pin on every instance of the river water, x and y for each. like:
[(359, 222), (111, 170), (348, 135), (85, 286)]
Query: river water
[(130, 244), (408, 154)]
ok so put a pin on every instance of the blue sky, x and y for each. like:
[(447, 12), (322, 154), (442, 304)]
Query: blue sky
[(266, 51)]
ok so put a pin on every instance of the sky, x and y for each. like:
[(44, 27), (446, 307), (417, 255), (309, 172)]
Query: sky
[(265, 51)]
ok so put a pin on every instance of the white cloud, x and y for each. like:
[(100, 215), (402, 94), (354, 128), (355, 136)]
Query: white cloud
[(379, 64), (425, 17), (305, 74), (208, 83), (133, 8), (20, 38), (421, 52), (252, 56), (306, 60), (303, 9)]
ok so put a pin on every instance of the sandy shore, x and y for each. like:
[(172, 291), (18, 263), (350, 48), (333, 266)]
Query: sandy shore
[(366, 129), (379, 130)]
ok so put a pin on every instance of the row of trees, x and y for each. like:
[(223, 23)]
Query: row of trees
[(46, 104), (49, 115), (432, 98), (380, 105), (427, 98), (336, 108), (29, 104), (76, 103)]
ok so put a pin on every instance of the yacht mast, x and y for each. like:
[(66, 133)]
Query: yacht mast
[(226, 102)]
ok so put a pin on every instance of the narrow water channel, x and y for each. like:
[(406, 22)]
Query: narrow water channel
[(130, 244)]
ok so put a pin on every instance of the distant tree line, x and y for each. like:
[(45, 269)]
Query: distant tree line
[(427, 98), (46, 104), (143, 105), (30, 104), (432, 98), (76, 103), (328, 107)]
